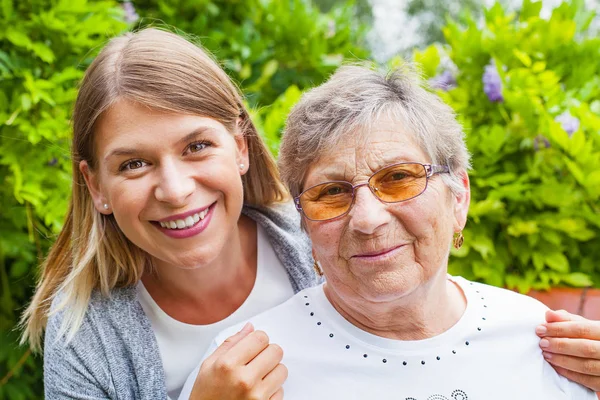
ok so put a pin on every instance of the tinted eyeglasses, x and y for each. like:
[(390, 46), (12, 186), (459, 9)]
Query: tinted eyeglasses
[(392, 184)]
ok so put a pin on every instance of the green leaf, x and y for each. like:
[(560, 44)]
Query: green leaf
[(492, 139), (530, 9), (575, 171), (43, 52), (25, 102), (18, 38), (538, 66), (518, 228), (7, 9), (523, 57), (270, 68), (557, 135), (593, 183), (483, 245), (557, 262), (428, 59), (578, 279), (538, 261)]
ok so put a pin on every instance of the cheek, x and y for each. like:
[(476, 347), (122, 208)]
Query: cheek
[(431, 226), (128, 199), (324, 238)]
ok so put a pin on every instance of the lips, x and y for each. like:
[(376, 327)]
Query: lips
[(378, 253), (183, 223), (187, 224)]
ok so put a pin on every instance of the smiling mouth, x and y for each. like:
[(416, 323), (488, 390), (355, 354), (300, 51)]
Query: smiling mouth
[(185, 223), (378, 253)]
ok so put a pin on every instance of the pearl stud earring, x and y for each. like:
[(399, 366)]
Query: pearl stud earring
[(105, 206), (241, 166)]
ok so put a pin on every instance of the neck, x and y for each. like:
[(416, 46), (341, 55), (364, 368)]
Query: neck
[(428, 311), (212, 292)]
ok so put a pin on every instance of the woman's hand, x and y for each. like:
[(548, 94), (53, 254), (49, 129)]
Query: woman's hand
[(245, 366), (572, 345)]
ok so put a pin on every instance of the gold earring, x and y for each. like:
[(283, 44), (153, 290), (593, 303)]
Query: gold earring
[(458, 240), (317, 268)]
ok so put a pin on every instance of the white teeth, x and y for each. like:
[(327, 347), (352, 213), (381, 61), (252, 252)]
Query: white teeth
[(188, 222)]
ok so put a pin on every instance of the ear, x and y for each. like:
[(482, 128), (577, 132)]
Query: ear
[(91, 181), (241, 142), (462, 202)]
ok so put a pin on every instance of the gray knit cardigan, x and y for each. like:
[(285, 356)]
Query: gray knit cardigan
[(114, 354)]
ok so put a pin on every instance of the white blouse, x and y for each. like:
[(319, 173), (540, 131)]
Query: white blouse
[(182, 345)]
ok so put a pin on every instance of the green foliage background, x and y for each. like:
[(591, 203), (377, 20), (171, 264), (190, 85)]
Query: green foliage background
[(534, 220)]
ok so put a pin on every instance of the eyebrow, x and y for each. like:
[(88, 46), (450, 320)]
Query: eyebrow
[(331, 174), (124, 151)]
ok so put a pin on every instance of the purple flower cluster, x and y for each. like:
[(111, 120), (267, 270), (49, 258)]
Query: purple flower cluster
[(130, 14), (568, 122), (492, 84), (539, 141), (444, 81)]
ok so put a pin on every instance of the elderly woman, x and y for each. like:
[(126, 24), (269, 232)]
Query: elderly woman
[(378, 169)]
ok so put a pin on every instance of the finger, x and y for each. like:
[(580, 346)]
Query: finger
[(585, 329), (571, 347), (247, 349), (274, 381), (584, 366), (232, 341), (266, 361), (562, 316), (278, 395), (592, 382)]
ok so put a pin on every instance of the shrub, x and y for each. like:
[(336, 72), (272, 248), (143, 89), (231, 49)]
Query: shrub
[(45, 47), (528, 93), (266, 46)]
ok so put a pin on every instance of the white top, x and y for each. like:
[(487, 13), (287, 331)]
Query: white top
[(182, 345), (491, 353)]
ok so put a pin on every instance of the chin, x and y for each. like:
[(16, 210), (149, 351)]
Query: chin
[(389, 286), (190, 260)]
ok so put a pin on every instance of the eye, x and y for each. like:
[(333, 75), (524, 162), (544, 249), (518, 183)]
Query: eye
[(397, 176), (132, 165), (332, 191), (197, 146)]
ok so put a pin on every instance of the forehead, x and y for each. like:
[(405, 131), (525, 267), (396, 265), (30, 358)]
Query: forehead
[(358, 154), (127, 124)]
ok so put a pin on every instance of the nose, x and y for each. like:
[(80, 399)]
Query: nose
[(174, 185), (368, 214)]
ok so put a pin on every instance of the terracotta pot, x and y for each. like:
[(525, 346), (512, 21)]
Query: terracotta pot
[(585, 302)]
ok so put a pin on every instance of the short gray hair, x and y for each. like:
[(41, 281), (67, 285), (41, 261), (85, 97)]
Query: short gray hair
[(355, 98)]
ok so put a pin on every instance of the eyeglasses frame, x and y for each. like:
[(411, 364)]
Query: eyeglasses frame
[(430, 171)]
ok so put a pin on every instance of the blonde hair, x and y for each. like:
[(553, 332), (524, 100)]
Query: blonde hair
[(165, 72)]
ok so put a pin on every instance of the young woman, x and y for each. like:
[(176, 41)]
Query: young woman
[(178, 227)]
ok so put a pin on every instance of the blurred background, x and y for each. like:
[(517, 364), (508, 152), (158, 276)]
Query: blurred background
[(523, 76)]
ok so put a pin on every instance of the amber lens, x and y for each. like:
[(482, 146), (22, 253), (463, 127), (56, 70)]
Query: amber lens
[(326, 201), (399, 182)]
